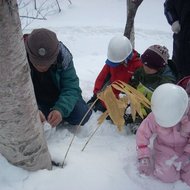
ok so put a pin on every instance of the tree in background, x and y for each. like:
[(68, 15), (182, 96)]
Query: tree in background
[(22, 141), (132, 6)]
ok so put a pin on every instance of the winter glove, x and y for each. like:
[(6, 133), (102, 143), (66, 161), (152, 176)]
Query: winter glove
[(176, 27), (97, 106), (144, 166), (182, 161), (185, 126), (92, 99)]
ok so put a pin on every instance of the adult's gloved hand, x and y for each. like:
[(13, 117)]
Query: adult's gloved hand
[(176, 27), (144, 166)]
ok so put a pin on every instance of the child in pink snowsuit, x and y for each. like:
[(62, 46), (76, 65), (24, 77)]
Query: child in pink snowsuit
[(170, 122)]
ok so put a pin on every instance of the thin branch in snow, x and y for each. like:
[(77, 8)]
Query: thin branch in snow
[(90, 137), (90, 108)]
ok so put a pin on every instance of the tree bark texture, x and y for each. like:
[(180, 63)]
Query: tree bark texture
[(132, 6), (22, 140)]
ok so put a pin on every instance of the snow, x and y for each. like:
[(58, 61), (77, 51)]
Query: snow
[(109, 160)]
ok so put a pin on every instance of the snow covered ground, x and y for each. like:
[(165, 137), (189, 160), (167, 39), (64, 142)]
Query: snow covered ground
[(109, 160)]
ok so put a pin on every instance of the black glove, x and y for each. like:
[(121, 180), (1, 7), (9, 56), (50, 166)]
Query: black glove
[(92, 99), (98, 105)]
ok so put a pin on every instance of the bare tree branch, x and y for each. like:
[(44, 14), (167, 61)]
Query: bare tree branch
[(33, 17), (70, 1)]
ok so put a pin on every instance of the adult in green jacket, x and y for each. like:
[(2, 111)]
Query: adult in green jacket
[(54, 78)]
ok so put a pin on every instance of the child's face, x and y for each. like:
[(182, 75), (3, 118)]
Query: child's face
[(149, 70)]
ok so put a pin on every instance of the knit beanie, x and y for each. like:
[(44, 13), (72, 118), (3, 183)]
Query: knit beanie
[(42, 47), (155, 57)]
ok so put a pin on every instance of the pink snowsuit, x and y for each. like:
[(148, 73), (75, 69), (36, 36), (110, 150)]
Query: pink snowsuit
[(169, 144)]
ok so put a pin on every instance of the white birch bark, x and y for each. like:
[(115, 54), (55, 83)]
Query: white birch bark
[(22, 141)]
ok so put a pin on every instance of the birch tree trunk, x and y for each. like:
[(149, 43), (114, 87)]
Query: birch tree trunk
[(132, 6), (22, 141)]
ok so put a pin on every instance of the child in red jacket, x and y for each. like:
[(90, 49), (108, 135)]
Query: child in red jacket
[(122, 61)]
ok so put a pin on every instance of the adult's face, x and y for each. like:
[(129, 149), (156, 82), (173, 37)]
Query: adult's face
[(41, 68)]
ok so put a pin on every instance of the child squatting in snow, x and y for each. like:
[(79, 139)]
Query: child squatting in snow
[(169, 121)]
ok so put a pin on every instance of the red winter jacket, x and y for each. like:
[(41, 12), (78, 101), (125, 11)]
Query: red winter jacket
[(121, 72)]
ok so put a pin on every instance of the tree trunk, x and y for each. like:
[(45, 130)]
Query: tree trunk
[(132, 6), (22, 141)]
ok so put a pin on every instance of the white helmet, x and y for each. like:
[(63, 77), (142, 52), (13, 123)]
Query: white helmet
[(169, 103), (119, 49)]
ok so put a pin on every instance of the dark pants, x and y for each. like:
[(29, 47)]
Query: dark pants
[(75, 116), (181, 46)]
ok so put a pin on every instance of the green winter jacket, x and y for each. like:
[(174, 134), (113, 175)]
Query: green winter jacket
[(147, 83), (67, 82)]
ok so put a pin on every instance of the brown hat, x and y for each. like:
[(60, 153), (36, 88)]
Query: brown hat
[(155, 57), (42, 47)]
